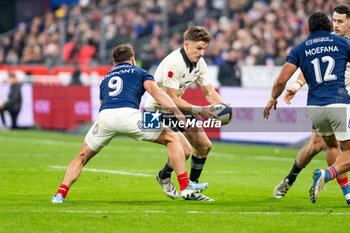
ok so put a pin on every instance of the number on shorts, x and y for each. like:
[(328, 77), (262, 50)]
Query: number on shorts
[(115, 83), (328, 74)]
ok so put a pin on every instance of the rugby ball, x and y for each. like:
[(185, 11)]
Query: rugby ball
[(223, 111)]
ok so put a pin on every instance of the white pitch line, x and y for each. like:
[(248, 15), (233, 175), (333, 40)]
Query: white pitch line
[(40, 141), (275, 158), (171, 212), (105, 171), (260, 157), (143, 148), (77, 144)]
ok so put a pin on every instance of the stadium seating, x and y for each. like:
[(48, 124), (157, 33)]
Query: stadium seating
[(261, 31)]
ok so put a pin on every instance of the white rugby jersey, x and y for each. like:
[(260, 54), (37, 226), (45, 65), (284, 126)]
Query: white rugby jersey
[(176, 71), (347, 74), (347, 77)]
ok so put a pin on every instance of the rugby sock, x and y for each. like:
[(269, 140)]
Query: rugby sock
[(197, 165), (166, 171), (330, 173), (345, 186), (296, 169), (63, 190), (343, 183), (183, 180)]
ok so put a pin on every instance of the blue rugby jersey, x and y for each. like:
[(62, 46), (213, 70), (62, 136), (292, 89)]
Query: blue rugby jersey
[(123, 87), (322, 58)]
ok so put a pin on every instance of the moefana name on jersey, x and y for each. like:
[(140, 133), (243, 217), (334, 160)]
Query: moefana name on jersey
[(152, 120), (322, 49)]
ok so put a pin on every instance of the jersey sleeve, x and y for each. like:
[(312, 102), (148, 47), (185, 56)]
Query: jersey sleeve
[(147, 76), (293, 57), (171, 76), (203, 79)]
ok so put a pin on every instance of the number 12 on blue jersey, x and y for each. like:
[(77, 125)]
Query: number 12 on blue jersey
[(328, 76)]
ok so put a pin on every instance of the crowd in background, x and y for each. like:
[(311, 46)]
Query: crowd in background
[(244, 32)]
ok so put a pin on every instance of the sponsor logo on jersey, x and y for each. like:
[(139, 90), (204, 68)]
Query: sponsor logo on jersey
[(317, 40), (139, 124), (95, 130)]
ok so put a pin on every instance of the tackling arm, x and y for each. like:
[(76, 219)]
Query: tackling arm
[(162, 98), (182, 104)]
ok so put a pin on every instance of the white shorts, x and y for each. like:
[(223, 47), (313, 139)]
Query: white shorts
[(331, 119), (113, 122)]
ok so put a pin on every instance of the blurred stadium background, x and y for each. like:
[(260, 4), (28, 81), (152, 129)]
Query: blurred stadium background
[(61, 49)]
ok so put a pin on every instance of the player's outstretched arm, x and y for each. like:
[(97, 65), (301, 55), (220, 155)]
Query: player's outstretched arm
[(186, 107), (162, 98), (213, 98), (290, 93), (211, 95), (286, 73)]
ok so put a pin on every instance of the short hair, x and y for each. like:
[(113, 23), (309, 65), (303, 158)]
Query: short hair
[(12, 75), (319, 21), (343, 9), (197, 33), (123, 52)]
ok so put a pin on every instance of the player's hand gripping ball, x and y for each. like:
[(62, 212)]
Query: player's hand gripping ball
[(223, 111)]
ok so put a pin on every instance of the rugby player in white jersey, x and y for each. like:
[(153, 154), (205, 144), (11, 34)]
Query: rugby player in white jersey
[(341, 27), (120, 95), (174, 75)]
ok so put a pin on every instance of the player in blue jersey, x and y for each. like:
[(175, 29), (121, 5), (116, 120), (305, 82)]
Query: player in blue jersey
[(341, 26), (322, 58), (120, 95)]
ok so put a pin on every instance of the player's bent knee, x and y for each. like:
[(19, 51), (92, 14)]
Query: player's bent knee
[(85, 155), (187, 148), (82, 158), (167, 136), (316, 148), (188, 152), (205, 148), (185, 145), (181, 141), (208, 146), (171, 137), (174, 137)]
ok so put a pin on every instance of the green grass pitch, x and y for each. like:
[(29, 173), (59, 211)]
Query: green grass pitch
[(118, 191)]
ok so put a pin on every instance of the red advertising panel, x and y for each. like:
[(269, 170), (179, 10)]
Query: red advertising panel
[(57, 107), (196, 97)]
